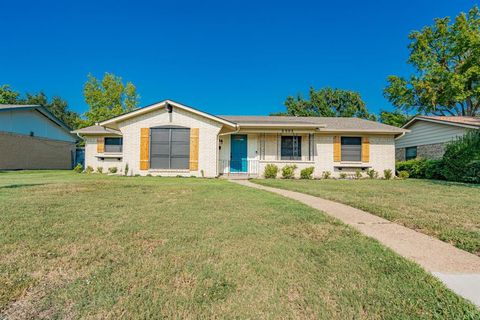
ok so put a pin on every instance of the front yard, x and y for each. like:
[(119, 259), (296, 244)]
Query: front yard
[(93, 246), (449, 211)]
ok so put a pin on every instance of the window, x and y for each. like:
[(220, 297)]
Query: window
[(410, 153), (291, 148), (113, 144), (169, 148), (351, 149)]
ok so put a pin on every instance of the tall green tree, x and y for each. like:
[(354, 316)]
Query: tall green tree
[(8, 95), (57, 106), (327, 102), (394, 118), (446, 59), (108, 98)]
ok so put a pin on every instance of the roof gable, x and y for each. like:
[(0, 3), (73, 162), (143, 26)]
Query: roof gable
[(164, 104), (460, 121)]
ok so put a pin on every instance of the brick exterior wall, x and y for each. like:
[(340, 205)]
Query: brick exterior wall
[(25, 152), (427, 151)]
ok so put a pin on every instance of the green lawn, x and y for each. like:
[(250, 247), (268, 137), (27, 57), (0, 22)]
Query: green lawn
[(448, 211), (93, 246)]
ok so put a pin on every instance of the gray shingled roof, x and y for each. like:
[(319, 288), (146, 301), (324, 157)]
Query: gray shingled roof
[(329, 123), (96, 129)]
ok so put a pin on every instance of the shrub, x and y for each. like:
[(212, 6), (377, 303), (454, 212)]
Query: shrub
[(403, 174), (414, 167), (433, 169), (112, 169), (326, 174), (358, 174), (126, 169), (288, 172), (307, 173), (271, 171), (372, 174), (387, 174), (461, 161), (89, 169), (99, 169), (78, 168), (343, 175)]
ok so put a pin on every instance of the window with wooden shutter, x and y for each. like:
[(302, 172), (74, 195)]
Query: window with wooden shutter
[(144, 148), (365, 149), (194, 146), (100, 145)]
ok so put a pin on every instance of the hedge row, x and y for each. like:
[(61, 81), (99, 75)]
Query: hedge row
[(461, 162)]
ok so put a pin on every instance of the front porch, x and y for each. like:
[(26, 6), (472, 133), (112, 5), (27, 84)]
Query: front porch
[(245, 154)]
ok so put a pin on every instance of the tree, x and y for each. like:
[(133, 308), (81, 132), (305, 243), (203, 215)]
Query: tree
[(327, 102), (108, 98), (57, 106), (7, 95), (446, 58), (393, 118)]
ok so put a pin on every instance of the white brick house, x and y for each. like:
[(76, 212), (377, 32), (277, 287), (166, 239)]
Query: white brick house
[(171, 139)]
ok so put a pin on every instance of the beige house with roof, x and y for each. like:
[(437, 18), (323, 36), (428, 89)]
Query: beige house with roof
[(429, 135), (171, 139)]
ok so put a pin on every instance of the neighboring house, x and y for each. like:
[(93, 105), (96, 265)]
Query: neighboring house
[(32, 138), (429, 135), (171, 139)]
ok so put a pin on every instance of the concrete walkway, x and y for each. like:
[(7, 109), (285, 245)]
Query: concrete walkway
[(458, 269)]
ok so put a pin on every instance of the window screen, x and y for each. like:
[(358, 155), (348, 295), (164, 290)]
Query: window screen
[(291, 148), (113, 144), (351, 149), (169, 148), (410, 153)]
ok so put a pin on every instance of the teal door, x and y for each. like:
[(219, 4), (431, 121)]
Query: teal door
[(238, 153)]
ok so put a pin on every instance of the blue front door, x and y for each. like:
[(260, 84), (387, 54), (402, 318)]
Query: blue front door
[(238, 153)]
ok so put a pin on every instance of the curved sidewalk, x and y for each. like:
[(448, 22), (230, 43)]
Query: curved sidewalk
[(458, 269)]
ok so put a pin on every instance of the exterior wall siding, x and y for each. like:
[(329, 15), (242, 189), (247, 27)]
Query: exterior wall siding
[(427, 133), (25, 152), (26, 121)]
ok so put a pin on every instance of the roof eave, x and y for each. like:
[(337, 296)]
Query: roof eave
[(457, 124)]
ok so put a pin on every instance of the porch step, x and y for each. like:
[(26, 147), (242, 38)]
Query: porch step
[(239, 176)]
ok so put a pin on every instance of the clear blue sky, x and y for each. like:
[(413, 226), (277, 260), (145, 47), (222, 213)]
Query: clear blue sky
[(224, 57)]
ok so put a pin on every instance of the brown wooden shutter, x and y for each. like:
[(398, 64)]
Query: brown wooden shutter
[(100, 145), (365, 149), (337, 149), (194, 134), (144, 148)]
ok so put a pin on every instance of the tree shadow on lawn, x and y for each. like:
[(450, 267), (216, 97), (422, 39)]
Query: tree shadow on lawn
[(21, 185)]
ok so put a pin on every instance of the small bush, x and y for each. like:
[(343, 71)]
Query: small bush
[(403, 174), (307, 173), (271, 171), (126, 169), (288, 172), (326, 174), (358, 174), (461, 161), (387, 174), (414, 167), (78, 168), (343, 175), (99, 169), (372, 174), (112, 169), (89, 169)]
